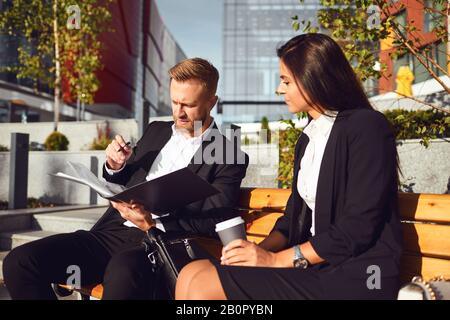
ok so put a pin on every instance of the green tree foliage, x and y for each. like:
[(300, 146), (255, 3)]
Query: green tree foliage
[(288, 140), (422, 124), (358, 25), (55, 49)]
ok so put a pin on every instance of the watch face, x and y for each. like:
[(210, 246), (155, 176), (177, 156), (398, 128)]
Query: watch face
[(301, 263)]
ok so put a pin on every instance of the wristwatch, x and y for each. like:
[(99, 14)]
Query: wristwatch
[(299, 260)]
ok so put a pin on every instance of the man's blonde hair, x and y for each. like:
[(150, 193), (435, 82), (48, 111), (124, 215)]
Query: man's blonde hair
[(196, 69)]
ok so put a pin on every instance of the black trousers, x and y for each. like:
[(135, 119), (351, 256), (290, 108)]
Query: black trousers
[(115, 258)]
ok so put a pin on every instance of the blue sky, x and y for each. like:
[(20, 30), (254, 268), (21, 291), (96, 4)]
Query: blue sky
[(196, 25)]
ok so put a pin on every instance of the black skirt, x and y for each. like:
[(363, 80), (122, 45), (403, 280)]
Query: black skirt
[(315, 283), (263, 283)]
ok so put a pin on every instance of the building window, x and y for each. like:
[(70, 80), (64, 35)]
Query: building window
[(432, 19), (401, 19), (440, 54), (420, 72)]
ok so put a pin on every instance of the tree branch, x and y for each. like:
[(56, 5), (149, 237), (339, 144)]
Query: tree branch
[(423, 102), (404, 41), (441, 12)]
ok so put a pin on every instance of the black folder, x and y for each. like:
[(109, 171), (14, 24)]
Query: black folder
[(169, 192)]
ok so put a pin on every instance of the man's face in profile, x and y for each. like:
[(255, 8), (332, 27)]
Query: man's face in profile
[(191, 102)]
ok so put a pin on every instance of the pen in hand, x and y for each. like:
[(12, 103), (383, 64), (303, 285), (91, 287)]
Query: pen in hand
[(121, 149)]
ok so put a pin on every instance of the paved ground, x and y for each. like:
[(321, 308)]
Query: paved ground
[(3, 292)]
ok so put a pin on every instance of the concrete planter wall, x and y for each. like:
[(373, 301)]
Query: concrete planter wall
[(80, 134), (263, 167), (48, 188), (262, 172), (426, 170)]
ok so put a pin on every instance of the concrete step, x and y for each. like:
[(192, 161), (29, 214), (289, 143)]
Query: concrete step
[(22, 219), (11, 240), (68, 221)]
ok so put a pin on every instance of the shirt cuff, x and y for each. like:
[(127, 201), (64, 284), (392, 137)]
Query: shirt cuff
[(111, 171), (159, 225)]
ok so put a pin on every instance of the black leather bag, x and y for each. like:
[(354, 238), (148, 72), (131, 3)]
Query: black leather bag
[(168, 253)]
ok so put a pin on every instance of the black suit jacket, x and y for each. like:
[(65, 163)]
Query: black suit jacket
[(356, 218), (198, 217)]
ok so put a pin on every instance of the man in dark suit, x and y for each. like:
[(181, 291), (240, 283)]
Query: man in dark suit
[(111, 252)]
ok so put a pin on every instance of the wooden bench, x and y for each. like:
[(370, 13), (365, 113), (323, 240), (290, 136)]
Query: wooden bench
[(425, 221)]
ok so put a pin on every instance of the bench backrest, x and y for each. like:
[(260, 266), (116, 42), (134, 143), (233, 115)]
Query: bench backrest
[(425, 225)]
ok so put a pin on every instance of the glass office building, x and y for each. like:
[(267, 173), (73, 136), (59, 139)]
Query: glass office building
[(252, 31)]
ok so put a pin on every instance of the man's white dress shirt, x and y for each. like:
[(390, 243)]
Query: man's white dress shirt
[(175, 155)]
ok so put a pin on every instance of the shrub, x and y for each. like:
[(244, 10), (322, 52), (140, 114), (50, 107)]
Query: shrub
[(245, 141), (31, 203), (3, 148), (56, 141), (103, 138), (287, 141), (422, 124)]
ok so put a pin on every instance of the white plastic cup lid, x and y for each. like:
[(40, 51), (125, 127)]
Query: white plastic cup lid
[(229, 223)]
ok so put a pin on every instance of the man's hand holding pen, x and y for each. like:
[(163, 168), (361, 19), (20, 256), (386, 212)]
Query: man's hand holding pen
[(117, 153)]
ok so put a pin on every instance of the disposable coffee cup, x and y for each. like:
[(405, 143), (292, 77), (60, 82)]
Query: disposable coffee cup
[(231, 229)]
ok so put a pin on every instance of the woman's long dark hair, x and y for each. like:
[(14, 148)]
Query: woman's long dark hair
[(321, 68), (322, 71)]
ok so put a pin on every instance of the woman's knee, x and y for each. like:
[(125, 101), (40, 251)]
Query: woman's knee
[(187, 274), (192, 268), (205, 285)]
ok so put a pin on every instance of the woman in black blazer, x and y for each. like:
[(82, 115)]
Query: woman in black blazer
[(340, 236)]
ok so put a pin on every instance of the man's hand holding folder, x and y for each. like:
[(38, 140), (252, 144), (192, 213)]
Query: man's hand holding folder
[(135, 213)]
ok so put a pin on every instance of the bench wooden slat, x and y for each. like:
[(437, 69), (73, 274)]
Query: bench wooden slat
[(260, 198), (413, 206), (424, 207), (262, 223), (427, 267), (255, 238), (418, 237), (95, 291), (427, 239)]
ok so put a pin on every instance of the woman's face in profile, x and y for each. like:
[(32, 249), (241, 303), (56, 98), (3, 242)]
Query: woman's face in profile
[(291, 92)]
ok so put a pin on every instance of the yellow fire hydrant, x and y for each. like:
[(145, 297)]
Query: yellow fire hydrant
[(404, 81)]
